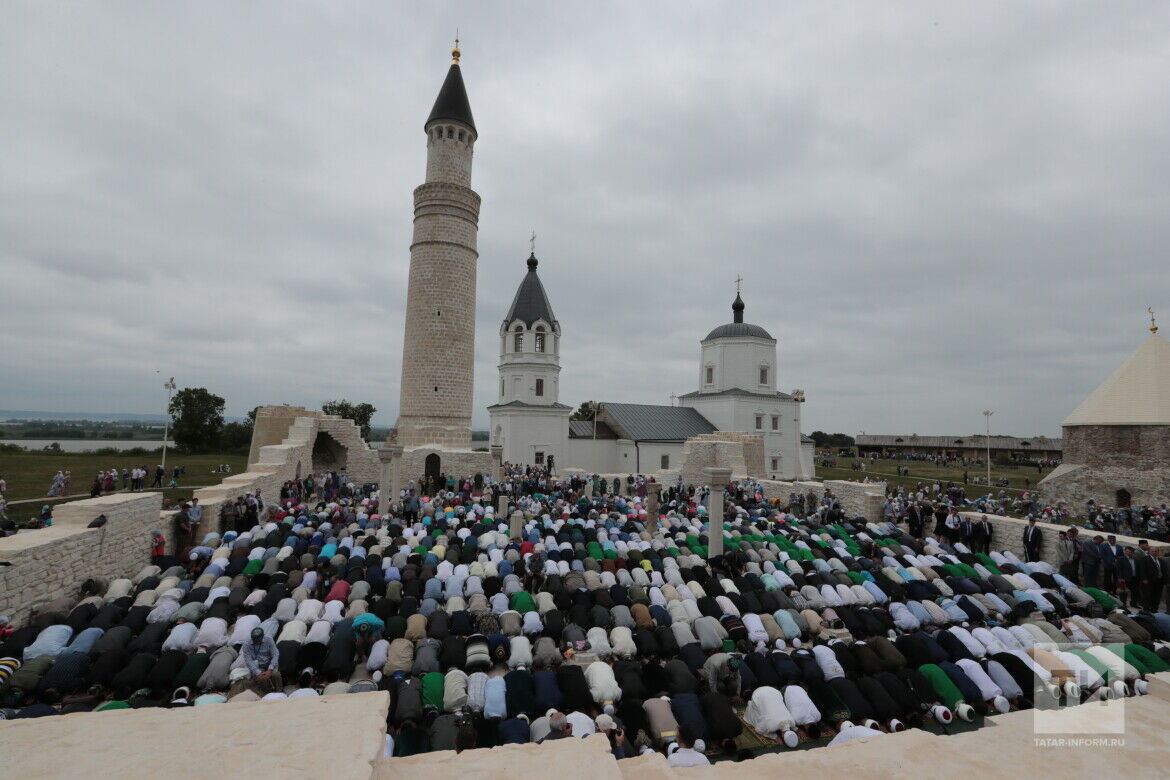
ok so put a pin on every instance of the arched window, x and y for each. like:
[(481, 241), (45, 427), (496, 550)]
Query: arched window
[(518, 339), (540, 338)]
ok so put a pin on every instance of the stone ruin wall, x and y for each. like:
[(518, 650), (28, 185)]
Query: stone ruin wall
[(49, 563), (459, 463), (858, 499), (282, 449)]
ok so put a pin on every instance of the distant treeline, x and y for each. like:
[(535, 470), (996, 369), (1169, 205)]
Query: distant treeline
[(77, 429)]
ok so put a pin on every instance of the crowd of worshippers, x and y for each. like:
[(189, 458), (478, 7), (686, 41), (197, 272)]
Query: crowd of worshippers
[(596, 618)]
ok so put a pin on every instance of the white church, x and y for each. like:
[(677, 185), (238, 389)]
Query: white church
[(736, 392)]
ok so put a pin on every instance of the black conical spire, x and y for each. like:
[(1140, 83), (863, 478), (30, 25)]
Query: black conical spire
[(531, 301), (452, 101), (737, 309)]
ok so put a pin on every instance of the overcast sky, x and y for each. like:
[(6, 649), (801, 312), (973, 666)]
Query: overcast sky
[(938, 208)]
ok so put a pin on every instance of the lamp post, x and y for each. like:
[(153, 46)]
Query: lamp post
[(170, 388), (987, 413)]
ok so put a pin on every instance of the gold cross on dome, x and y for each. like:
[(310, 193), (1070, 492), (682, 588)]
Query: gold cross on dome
[(1153, 322)]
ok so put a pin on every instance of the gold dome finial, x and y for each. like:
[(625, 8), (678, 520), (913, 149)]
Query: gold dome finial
[(1153, 322), (455, 52)]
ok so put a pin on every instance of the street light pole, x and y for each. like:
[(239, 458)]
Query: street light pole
[(987, 413), (170, 388)]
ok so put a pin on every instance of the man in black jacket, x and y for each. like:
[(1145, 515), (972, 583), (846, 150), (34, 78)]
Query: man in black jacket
[(1149, 575), (1033, 539)]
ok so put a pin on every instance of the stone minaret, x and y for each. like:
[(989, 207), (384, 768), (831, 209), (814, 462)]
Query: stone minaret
[(438, 354)]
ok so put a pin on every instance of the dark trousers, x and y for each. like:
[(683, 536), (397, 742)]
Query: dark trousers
[(1091, 571), (1151, 594)]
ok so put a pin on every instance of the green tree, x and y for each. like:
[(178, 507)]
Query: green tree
[(235, 437), (840, 440), (585, 411), (196, 419), (359, 413), (820, 438)]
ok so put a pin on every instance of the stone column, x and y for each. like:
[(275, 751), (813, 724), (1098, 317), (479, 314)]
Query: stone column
[(502, 506), (389, 456), (652, 499), (497, 463), (515, 525), (717, 479)]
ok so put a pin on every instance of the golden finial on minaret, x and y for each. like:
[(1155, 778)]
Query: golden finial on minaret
[(455, 52), (1153, 322)]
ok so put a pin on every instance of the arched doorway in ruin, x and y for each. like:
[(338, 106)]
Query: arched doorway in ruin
[(432, 466), (328, 454), (1124, 499)]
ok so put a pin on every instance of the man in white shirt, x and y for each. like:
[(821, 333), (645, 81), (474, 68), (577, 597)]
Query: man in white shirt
[(686, 753)]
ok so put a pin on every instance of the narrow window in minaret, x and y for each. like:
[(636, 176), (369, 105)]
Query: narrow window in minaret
[(539, 387), (518, 340), (539, 338)]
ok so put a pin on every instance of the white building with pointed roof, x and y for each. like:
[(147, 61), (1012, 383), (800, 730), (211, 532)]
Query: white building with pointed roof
[(1117, 441), (737, 394), (528, 420)]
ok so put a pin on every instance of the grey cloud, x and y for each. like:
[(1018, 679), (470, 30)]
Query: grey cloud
[(938, 208)]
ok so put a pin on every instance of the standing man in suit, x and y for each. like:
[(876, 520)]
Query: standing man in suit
[(1110, 553), (1091, 561), (914, 520), (970, 537), (1149, 576), (984, 532), (1033, 540), (1125, 576)]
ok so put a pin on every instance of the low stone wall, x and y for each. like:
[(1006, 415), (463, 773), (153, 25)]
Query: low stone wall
[(253, 739), (858, 499), (49, 563), (1008, 534)]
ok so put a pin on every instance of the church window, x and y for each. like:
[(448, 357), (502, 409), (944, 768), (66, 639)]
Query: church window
[(539, 458), (539, 387), (539, 339), (665, 461), (460, 135), (775, 422), (501, 388), (450, 132), (759, 422), (775, 464), (518, 340), (710, 377), (763, 375)]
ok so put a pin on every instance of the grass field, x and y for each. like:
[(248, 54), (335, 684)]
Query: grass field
[(921, 471), (29, 474)]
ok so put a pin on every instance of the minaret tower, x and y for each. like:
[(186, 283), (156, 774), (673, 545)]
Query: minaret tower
[(438, 354)]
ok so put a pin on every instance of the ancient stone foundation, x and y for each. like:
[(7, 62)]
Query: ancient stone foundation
[(858, 499), (49, 563)]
